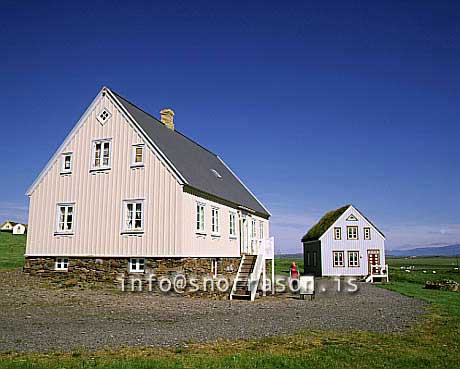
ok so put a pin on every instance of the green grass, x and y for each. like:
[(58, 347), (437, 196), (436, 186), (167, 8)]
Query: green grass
[(282, 265), (433, 343), (12, 248)]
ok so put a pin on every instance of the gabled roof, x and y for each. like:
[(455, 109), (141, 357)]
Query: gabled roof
[(201, 169), (328, 220), (9, 221), (324, 224), (193, 165)]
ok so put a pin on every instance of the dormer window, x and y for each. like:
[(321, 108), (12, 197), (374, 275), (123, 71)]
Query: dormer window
[(101, 155), (103, 116), (66, 167)]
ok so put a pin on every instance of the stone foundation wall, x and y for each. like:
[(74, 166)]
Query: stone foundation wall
[(90, 271)]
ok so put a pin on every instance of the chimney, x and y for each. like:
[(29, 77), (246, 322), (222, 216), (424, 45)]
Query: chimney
[(167, 118)]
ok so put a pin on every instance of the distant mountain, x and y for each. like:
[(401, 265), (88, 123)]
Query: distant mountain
[(451, 250), (290, 256)]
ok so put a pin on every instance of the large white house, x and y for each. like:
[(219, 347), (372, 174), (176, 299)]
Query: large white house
[(345, 243), (127, 193)]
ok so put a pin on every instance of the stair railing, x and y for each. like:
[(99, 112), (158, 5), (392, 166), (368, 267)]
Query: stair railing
[(256, 272), (237, 277)]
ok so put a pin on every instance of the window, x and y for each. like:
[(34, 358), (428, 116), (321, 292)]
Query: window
[(101, 155), (133, 216), (307, 258), (338, 259), (200, 218), (138, 156), (216, 173), (66, 163), (367, 233), (352, 232), (103, 116), (352, 218), (261, 230), (253, 228), (65, 218), (232, 222), (337, 233), (62, 264), (215, 221), (136, 265), (214, 267), (353, 258)]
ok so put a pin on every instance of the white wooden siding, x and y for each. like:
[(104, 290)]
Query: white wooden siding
[(169, 213), (99, 195), (329, 244)]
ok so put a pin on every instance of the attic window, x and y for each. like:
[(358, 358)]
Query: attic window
[(352, 218), (216, 173), (103, 116)]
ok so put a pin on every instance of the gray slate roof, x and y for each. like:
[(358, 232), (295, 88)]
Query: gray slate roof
[(194, 162)]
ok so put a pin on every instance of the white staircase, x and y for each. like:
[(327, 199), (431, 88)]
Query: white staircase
[(252, 268), (379, 273)]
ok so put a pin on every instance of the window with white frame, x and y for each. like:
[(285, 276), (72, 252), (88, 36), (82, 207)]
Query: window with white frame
[(232, 223), (200, 217), (253, 228), (103, 116), (367, 233), (138, 155), (101, 154), (214, 267), (338, 258), (65, 218), (215, 221), (136, 265), (337, 233), (66, 163), (353, 259), (61, 264), (133, 215), (352, 232), (261, 230)]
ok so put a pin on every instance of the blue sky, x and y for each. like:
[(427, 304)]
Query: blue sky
[(314, 106)]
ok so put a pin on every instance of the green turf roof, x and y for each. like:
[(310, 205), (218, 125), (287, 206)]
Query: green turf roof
[(324, 223)]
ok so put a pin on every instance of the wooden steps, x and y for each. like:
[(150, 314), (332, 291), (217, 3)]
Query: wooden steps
[(241, 288)]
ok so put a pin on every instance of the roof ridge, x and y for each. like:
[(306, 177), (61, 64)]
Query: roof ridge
[(160, 122)]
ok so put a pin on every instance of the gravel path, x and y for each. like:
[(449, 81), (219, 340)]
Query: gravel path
[(34, 317)]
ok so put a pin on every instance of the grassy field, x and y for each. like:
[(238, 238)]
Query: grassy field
[(12, 248), (433, 343)]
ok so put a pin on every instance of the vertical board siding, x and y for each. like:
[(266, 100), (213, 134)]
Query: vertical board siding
[(328, 245), (98, 197)]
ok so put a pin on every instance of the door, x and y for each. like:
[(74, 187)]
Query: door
[(244, 245), (373, 260)]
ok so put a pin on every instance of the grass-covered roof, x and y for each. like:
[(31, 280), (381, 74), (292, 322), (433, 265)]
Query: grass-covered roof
[(324, 223)]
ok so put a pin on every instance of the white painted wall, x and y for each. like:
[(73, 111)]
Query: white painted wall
[(169, 212), (19, 229), (328, 245), (6, 227)]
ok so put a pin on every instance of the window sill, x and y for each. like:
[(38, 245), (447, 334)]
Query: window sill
[(215, 235), (65, 173), (136, 272), (233, 237), (63, 233), (136, 166), (61, 270), (200, 233), (96, 170), (140, 232)]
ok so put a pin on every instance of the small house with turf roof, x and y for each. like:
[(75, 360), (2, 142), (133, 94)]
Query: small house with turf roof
[(7, 226), (345, 243)]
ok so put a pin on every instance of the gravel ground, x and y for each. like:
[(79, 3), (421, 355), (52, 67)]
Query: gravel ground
[(36, 317)]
